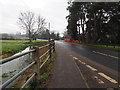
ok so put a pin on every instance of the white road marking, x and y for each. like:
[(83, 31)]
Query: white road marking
[(75, 58), (90, 67), (82, 62), (108, 78), (99, 80), (107, 55)]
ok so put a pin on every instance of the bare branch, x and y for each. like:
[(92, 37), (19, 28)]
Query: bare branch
[(27, 22), (30, 25)]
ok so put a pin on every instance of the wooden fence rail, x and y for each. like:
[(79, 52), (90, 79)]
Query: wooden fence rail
[(36, 63)]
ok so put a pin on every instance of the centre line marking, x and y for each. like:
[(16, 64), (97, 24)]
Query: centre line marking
[(108, 78), (75, 58), (99, 80), (107, 55), (90, 67)]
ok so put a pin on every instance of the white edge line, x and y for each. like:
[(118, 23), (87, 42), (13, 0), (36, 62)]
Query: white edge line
[(107, 55)]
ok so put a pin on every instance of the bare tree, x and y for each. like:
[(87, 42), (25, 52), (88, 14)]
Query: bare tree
[(27, 22), (32, 25), (40, 26)]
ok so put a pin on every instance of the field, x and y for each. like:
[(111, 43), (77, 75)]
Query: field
[(13, 46)]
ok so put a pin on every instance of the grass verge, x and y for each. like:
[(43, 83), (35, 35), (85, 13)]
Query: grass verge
[(109, 47), (10, 47)]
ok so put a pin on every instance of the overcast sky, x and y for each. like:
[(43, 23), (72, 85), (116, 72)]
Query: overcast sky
[(54, 11)]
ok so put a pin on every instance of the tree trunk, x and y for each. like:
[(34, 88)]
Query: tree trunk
[(95, 33), (88, 32), (82, 30), (79, 34), (30, 39)]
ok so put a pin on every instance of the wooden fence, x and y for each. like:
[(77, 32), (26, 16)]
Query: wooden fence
[(38, 54)]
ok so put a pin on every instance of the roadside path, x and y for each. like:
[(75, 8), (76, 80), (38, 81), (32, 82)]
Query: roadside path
[(65, 73)]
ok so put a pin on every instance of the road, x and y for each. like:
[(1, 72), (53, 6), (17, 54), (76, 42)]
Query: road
[(95, 54), (98, 67)]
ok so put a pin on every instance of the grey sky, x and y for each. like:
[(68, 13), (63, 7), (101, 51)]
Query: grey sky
[(54, 11)]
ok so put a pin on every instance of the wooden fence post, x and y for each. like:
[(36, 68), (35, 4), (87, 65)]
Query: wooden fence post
[(36, 67), (53, 46), (50, 50)]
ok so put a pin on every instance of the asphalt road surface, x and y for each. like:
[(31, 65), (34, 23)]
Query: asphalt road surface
[(79, 66)]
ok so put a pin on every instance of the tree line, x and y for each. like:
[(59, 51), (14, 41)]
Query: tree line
[(45, 35), (94, 22)]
